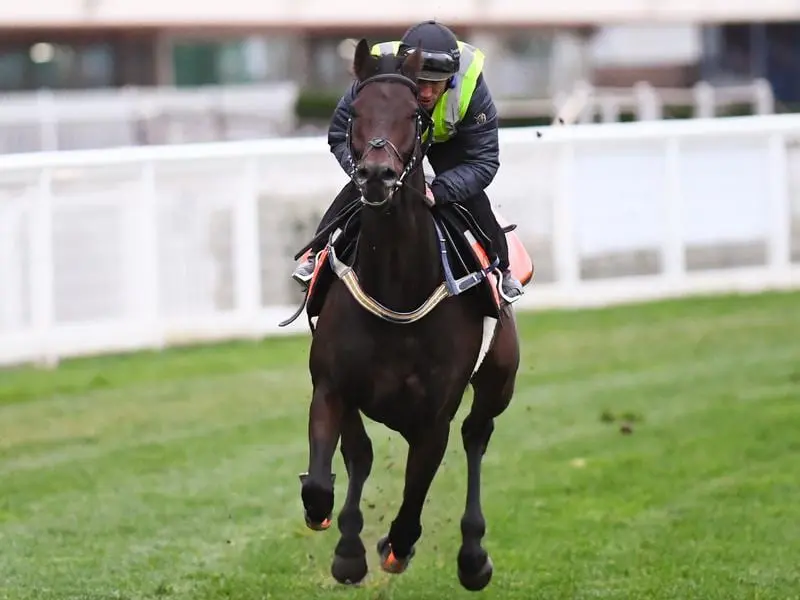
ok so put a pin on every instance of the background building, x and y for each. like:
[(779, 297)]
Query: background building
[(95, 73)]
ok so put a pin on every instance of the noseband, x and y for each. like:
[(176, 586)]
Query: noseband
[(423, 124)]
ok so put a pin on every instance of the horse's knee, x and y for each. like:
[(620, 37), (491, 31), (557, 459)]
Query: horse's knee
[(476, 432), (356, 448)]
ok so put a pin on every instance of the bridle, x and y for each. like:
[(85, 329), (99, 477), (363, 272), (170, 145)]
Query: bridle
[(423, 125)]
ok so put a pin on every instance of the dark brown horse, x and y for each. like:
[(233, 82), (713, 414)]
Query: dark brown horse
[(389, 344)]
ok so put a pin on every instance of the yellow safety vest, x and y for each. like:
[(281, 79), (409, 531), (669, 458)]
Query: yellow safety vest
[(452, 105)]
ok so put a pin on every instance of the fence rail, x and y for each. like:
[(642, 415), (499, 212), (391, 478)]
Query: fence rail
[(134, 248), (93, 119), (646, 102)]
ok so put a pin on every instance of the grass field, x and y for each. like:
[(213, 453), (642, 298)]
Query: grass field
[(175, 475)]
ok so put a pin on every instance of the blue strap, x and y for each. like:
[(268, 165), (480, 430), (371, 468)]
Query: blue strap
[(458, 286)]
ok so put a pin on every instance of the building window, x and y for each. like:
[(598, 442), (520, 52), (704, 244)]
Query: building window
[(254, 59), (30, 66)]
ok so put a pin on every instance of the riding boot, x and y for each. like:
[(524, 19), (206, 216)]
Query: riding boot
[(510, 287), (305, 269), (480, 207)]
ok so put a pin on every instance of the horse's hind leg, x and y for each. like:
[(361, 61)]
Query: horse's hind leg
[(494, 387), (324, 423), (425, 453), (350, 561)]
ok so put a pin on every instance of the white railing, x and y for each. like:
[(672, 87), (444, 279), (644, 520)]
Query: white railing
[(49, 120), (644, 101), (146, 247), (93, 119)]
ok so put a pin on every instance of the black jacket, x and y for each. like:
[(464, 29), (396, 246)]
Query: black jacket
[(464, 165)]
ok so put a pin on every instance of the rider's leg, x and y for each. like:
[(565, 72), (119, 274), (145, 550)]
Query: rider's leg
[(303, 272), (481, 210)]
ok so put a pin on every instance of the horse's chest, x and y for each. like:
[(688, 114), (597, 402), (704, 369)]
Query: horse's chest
[(402, 369), (400, 399)]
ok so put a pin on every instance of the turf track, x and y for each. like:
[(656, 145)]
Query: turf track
[(174, 475)]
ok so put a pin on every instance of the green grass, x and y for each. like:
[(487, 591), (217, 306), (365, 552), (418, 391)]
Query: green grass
[(174, 475)]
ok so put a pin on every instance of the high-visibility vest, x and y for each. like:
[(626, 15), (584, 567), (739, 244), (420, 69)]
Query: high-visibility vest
[(452, 105)]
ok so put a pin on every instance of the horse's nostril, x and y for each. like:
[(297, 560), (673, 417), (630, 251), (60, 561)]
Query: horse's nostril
[(375, 173)]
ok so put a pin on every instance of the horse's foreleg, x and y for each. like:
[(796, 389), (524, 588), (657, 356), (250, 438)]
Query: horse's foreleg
[(350, 561), (474, 564), (324, 424), (494, 387), (425, 454)]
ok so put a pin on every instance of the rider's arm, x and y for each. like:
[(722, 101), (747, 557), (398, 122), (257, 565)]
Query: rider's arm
[(337, 130), (477, 137)]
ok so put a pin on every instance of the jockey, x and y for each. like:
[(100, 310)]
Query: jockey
[(464, 152)]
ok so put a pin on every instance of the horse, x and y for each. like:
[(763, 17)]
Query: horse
[(398, 339)]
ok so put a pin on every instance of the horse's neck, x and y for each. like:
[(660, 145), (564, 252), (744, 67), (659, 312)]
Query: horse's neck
[(398, 258)]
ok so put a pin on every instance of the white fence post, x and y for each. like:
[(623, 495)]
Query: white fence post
[(778, 245), (673, 250), (704, 105), (42, 269), (11, 267), (145, 274), (764, 99), (246, 256), (565, 250), (48, 120)]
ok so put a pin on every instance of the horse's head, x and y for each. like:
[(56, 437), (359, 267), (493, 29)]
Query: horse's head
[(386, 123)]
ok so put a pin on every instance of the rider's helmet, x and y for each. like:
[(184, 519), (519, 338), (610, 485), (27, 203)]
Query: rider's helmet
[(440, 53)]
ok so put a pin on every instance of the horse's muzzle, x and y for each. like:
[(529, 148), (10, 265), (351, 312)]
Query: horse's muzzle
[(377, 183), (375, 174)]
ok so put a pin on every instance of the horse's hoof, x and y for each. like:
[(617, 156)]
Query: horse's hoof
[(389, 562), (349, 571), (475, 582), (317, 526), (310, 493)]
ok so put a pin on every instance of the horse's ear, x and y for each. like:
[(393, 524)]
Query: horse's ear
[(362, 61), (413, 64)]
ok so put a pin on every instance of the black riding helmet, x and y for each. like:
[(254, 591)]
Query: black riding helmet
[(440, 53)]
